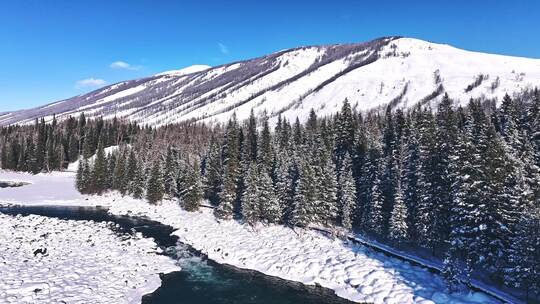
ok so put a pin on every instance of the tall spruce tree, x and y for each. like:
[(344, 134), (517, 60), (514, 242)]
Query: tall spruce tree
[(155, 188), (231, 175), (192, 194), (269, 205), (138, 183), (100, 170), (213, 172), (398, 230), (347, 192), (250, 199)]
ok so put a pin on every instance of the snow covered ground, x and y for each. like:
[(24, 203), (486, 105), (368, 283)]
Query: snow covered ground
[(84, 262), (355, 272)]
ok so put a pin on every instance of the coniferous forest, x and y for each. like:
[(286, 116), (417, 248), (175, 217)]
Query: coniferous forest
[(459, 182)]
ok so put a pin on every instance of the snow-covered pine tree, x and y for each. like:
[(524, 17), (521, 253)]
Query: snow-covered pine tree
[(398, 230), (119, 179), (523, 270), (451, 271), (111, 164), (445, 141), (100, 170), (228, 195), (389, 166), (303, 209), (372, 216), (171, 173), (250, 199), (504, 189), (131, 166), (328, 202), (138, 183), (213, 172), (284, 185), (426, 210), (344, 133), (347, 192), (251, 140), (31, 158), (192, 193), (469, 214), (79, 181), (155, 188), (410, 180), (270, 207), (264, 148), (87, 181)]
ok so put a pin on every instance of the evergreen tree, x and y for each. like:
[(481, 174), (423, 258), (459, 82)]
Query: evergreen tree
[(171, 173), (524, 267), (250, 146), (131, 167), (119, 179), (347, 192), (86, 181), (79, 179), (410, 181), (100, 170), (269, 205), (111, 164), (228, 194), (372, 217), (138, 183), (192, 195), (425, 208), (264, 148), (213, 172), (344, 132), (250, 199), (155, 188), (305, 195), (398, 231), (328, 204), (445, 140)]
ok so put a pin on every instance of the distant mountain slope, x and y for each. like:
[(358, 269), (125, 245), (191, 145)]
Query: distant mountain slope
[(392, 70)]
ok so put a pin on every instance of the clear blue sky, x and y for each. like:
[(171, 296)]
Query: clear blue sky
[(51, 50)]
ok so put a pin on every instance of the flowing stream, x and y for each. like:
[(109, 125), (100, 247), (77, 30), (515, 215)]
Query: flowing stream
[(201, 280)]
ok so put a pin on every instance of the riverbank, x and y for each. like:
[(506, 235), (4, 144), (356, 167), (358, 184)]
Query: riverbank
[(48, 260), (354, 272)]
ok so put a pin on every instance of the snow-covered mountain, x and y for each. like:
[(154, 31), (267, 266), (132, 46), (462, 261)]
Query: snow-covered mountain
[(392, 70)]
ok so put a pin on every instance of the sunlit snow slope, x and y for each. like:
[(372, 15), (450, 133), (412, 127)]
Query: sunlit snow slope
[(398, 71)]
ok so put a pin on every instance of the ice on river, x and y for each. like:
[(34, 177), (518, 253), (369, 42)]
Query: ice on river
[(82, 262)]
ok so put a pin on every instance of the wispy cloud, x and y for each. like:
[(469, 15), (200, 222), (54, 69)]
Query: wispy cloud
[(223, 48), (90, 83), (122, 65)]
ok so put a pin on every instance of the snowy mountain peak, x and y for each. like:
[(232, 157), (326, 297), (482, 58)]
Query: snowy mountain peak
[(395, 71), (188, 70)]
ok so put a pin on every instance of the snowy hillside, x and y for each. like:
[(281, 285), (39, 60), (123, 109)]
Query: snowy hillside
[(398, 71)]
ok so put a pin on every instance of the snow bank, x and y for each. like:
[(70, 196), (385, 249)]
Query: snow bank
[(57, 188), (354, 272), (83, 262)]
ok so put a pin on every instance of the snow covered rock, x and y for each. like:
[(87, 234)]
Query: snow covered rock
[(47, 260)]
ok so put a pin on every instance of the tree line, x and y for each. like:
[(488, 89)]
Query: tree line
[(45, 147)]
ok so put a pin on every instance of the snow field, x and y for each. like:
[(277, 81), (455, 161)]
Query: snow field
[(84, 262)]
